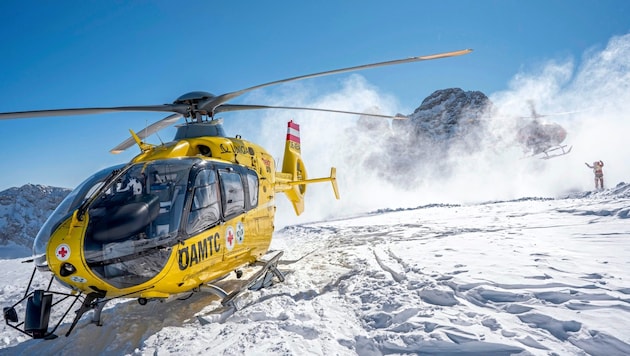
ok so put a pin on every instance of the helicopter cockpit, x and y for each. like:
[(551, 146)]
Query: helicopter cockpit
[(134, 221)]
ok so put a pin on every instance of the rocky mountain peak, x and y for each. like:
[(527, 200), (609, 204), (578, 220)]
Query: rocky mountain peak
[(448, 120), (23, 210), (447, 114)]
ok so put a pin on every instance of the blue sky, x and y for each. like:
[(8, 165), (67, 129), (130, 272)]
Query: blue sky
[(66, 54)]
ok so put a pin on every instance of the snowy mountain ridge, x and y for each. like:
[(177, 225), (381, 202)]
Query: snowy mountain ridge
[(24, 209), (446, 115), (449, 122)]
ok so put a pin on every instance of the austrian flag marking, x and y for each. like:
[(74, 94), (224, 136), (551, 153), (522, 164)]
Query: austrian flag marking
[(293, 132), (62, 252)]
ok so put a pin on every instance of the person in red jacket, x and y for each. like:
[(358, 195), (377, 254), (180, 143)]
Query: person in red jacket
[(599, 173)]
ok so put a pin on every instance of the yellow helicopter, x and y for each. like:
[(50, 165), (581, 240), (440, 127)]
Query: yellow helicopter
[(177, 218)]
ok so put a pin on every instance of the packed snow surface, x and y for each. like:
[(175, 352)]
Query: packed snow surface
[(526, 277)]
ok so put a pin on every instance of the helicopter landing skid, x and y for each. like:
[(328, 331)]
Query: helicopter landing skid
[(93, 301), (264, 277), (553, 152)]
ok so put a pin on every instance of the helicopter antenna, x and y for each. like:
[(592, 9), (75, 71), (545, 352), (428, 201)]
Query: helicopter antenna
[(159, 138), (146, 125), (146, 134), (532, 108)]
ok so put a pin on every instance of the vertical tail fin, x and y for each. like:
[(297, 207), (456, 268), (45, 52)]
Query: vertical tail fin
[(292, 162), (293, 179)]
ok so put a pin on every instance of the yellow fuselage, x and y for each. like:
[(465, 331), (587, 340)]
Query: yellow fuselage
[(196, 259)]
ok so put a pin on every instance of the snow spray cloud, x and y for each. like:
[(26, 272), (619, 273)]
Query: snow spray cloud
[(592, 102), (327, 142), (594, 91)]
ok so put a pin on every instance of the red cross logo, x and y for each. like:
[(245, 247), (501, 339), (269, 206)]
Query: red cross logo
[(230, 237), (63, 252)]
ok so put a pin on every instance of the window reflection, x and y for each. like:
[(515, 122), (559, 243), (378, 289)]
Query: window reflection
[(232, 192), (252, 184), (204, 211)]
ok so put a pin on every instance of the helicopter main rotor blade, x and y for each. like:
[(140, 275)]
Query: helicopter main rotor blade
[(181, 109), (239, 107), (552, 114), (210, 104), (196, 107), (146, 132)]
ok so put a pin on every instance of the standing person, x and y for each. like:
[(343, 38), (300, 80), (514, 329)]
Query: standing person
[(599, 173)]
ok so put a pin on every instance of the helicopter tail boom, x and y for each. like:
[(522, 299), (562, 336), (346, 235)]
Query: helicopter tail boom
[(293, 179)]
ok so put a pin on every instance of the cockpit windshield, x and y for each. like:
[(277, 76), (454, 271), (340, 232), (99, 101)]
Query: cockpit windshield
[(71, 202)]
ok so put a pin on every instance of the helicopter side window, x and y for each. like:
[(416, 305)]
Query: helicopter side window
[(252, 188), (232, 193), (204, 211)]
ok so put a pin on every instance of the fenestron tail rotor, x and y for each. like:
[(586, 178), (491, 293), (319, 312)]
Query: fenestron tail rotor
[(197, 105)]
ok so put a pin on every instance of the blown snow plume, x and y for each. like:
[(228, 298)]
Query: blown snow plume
[(461, 146), (324, 143), (590, 99), (448, 121)]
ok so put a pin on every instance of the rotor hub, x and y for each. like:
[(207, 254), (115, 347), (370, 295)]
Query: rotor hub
[(193, 99)]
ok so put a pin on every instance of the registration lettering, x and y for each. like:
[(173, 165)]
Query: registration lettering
[(196, 253)]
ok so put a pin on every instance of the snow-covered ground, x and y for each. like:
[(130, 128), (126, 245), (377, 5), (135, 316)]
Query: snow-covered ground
[(526, 277)]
